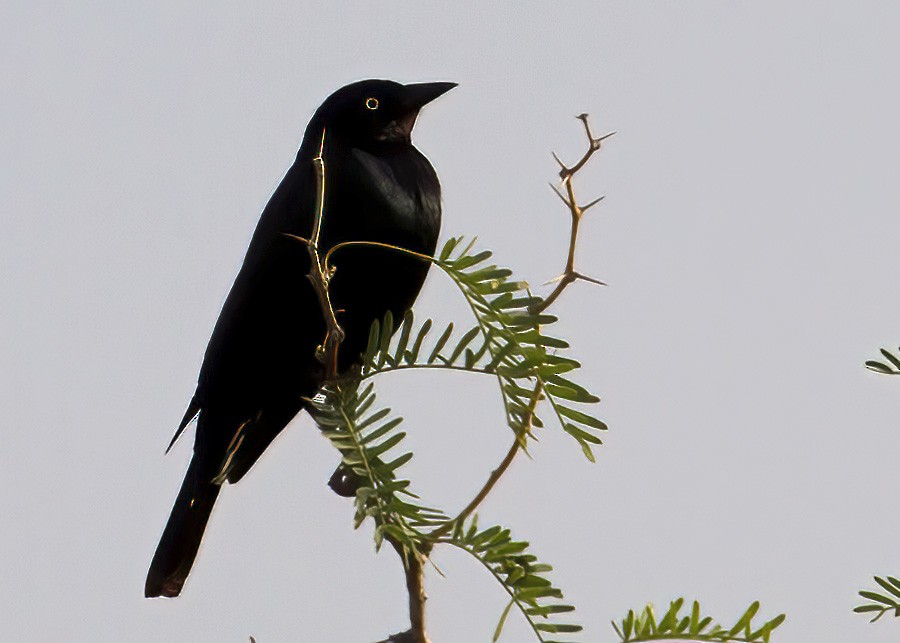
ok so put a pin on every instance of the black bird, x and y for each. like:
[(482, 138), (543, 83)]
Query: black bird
[(260, 362)]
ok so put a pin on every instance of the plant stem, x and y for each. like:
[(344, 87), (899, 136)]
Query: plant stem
[(320, 277), (416, 589), (496, 474)]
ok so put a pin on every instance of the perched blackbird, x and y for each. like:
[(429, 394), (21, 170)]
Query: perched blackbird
[(260, 363)]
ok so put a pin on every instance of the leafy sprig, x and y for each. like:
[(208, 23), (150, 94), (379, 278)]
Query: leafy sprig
[(675, 626), (521, 575), (880, 604), (891, 366)]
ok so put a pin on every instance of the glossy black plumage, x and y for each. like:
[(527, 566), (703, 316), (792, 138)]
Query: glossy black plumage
[(260, 362)]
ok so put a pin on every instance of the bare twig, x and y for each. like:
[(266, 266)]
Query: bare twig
[(320, 276), (566, 173)]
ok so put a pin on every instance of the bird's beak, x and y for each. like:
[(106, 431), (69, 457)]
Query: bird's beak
[(412, 99), (419, 94)]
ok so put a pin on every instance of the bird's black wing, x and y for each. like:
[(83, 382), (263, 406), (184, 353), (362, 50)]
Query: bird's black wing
[(260, 360)]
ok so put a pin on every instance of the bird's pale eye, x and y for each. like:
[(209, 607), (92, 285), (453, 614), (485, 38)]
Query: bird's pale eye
[(372, 103)]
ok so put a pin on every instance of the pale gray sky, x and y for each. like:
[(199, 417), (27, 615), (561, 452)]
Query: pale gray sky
[(749, 236)]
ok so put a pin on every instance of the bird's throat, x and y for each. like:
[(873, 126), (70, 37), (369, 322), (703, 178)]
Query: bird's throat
[(400, 129)]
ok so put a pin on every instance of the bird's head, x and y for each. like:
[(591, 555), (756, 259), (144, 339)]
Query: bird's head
[(370, 112)]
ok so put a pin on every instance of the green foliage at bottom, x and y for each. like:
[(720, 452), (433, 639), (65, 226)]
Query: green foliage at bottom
[(675, 626), (521, 575)]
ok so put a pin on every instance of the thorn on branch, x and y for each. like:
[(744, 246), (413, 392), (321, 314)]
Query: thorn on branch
[(594, 145), (592, 203), (295, 238), (560, 195), (558, 160), (554, 280), (582, 277)]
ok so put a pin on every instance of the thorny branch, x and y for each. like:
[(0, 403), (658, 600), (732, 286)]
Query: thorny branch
[(567, 173)]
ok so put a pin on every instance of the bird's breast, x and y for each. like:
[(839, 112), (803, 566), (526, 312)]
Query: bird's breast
[(390, 198)]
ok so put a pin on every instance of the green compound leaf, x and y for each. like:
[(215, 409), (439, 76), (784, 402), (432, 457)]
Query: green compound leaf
[(520, 574), (641, 626), (880, 604)]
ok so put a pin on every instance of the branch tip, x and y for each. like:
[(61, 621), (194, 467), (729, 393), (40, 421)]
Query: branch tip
[(321, 145), (557, 159), (566, 173)]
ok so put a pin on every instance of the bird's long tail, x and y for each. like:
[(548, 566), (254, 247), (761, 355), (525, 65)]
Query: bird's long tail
[(181, 539)]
